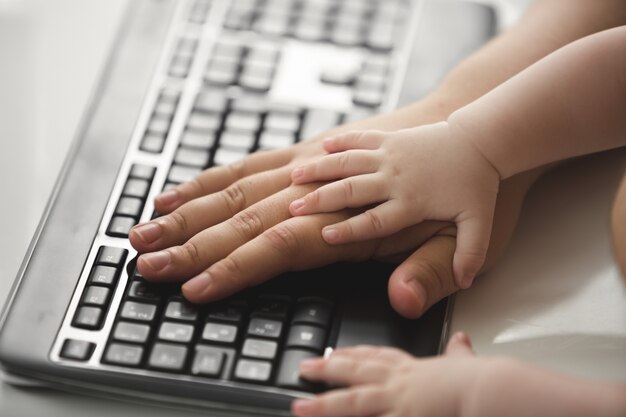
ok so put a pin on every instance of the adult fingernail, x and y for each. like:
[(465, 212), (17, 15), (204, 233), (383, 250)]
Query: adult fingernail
[(419, 291), (156, 260), (330, 234), (148, 232), (297, 205), (297, 173), (167, 197), (302, 406), (198, 283)]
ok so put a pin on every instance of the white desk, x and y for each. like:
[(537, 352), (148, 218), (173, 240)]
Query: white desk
[(555, 298)]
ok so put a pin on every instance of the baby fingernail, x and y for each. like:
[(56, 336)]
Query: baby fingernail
[(330, 234), (302, 406), (198, 283), (167, 197), (297, 204), (148, 232), (157, 260)]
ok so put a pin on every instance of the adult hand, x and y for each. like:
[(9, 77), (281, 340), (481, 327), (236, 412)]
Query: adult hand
[(230, 228)]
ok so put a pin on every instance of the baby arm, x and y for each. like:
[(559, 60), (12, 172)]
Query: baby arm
[(389, 382)]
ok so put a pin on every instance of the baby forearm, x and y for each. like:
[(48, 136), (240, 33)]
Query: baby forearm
[(570, 103), (514, 389)]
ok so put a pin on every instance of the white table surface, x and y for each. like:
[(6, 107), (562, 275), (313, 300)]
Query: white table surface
[(556, 297)]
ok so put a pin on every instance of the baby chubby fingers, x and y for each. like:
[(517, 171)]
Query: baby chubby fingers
[(336, 166), (345, 370), (357, 191), (363, 401)]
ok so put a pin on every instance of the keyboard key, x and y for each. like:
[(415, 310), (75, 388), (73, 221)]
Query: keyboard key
[(103, 275), (144, 291), (249, 104), (176, 332), (96, 296), (179, 174), (77, 350), (129, 206), (269, 306), (288, 375), (192, 157), (131, 332), (317, 121), (289, 122), (240, 140), (312, 312), (307, 337), (136, 188), (265, 328), (140, 171), (153, 143), (225, 156), (167, 357), (88, 318), (165, 109), (120, 226), (216, 332), (243, 121), (276, 140), (222, 73), (212, 101), (124, 355), (256, 83), (193, 139), (232, 314), (204, 121), (181, 310), (109, 255), (208, 361), (255, 371), (261, 349), (368, 96), (138, 311)]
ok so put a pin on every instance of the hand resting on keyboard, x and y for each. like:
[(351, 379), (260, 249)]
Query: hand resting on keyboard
[(230, 228)]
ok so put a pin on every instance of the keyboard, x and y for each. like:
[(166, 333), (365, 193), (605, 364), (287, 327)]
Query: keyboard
[(231, 78)]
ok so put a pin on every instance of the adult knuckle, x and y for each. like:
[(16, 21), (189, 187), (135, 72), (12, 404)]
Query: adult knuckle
[(248, 223), (179, 221), (190, 251), (197, 186), (282, 238), (234, 197), (233, 269)]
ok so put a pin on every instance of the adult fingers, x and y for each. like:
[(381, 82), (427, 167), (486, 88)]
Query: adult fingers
[(278, 249), (344, 370), (356, 191), (335, 166), (217, 178), (425, 277), (214, 243), (473, 233), (459, 345), (199, 214), (377, 222), (364, 401)]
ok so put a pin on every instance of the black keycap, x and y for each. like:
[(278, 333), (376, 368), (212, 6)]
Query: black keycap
[(313, 312), (176, 332), (138, 311), (108, 255), (144, 291), (216, 332), (88, 318), (103, 275), (129, 206), (269, 306), (124, 355), (208, 361), (77, 350), (265, 328), (120, 226), (261, 349), (143, 172), (232, 314), (136, 188), (254, 371), (308, 337), (288, 375), (181, 310), (96, 296), (131, 332), (167, 357)]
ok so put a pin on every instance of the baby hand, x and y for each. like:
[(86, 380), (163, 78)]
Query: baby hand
[(408, 176), (389, 382)]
